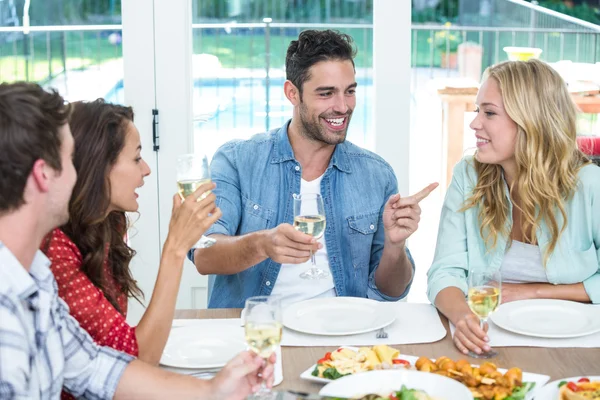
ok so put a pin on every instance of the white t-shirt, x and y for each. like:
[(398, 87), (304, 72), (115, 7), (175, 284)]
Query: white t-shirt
[(522, 263), (289, 286)]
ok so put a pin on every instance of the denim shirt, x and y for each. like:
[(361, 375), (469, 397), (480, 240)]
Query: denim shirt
[(576, 257), (256, 180)]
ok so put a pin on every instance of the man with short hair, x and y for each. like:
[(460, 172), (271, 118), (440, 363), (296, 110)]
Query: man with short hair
[(258, 251), (42, 348)]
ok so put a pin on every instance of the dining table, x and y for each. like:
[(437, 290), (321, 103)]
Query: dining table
[(555, 362)]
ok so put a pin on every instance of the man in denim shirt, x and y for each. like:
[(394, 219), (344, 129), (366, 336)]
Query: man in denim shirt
[(258, 252)]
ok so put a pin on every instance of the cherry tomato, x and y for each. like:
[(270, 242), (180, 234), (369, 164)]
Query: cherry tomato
[(583, 380), (401, 362), (573, 387), (326, 358), (393, 397)]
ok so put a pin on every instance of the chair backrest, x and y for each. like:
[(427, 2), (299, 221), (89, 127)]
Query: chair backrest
[(590, 145)]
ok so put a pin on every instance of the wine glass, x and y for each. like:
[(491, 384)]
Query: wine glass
[(263, 328), (484, 298), (309, 218), (192, 172)]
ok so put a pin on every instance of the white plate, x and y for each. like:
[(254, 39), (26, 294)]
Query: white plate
[(538, 379), (337, 316), (385, 382), (203, 347), (548, 318), (550, 391)]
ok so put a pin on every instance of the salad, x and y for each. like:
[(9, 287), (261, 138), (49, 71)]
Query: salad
[(345, 361), (403, 394)]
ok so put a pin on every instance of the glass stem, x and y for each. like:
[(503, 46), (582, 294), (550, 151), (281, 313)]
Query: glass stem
[(312, 259), (263, 384)]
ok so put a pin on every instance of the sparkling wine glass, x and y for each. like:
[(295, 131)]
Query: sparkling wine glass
[(309, 218), (484, 298), (192, 172), (263, 328)]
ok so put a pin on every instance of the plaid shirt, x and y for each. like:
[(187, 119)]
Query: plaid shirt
[(42, 347)]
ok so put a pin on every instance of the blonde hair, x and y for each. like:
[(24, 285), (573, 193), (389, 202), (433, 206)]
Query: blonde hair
[(546, 153)]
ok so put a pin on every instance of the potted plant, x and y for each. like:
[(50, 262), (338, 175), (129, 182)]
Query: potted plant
[(446, 42)]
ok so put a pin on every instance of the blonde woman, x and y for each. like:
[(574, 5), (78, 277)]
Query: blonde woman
[(528, 202)]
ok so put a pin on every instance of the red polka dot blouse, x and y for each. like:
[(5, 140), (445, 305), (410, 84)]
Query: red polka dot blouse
[(86, 302)]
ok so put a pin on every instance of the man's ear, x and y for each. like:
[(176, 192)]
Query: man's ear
[(41, 174), (291, 92)]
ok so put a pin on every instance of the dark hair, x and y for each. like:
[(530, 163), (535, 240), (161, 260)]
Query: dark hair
[(312, 47), (30, 119), (99, 130)]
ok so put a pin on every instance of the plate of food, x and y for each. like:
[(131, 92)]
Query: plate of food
[(481, 380), (397, 384), (575, 388), (351, 316)]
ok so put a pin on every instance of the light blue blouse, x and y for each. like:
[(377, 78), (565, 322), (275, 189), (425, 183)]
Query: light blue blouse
[(460, 246)]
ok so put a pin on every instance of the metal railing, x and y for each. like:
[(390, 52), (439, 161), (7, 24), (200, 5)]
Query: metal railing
[(556, 44), (519, 13), (285, 11)]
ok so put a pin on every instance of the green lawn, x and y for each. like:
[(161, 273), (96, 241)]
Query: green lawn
[(39, 57), (247, 50)]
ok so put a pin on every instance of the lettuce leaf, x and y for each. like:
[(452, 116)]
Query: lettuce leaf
[(332, 373), (519, 393)]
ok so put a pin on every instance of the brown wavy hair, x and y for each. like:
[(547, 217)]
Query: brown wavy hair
[(548, 160), (99, 130)]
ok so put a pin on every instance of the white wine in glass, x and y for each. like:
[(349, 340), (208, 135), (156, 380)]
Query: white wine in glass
[(187, 187), (309, 218), (263, 329), (313, 225), (263, 338), (193, 172), (484, 298)]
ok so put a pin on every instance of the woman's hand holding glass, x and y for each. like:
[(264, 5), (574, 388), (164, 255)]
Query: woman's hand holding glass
[(191, 218), (483, 298), (193, 172), (469, 336)]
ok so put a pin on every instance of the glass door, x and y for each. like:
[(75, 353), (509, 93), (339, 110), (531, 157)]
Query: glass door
[(220, 73), (64, 44), (88, 50)]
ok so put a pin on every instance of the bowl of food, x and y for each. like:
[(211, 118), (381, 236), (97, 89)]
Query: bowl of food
[(522, 53), (383, 384)]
